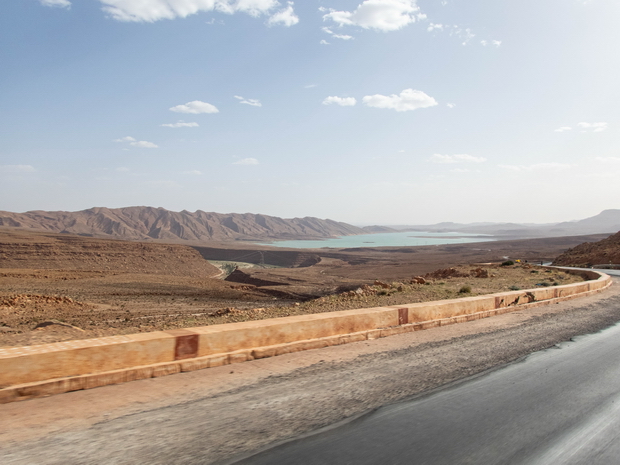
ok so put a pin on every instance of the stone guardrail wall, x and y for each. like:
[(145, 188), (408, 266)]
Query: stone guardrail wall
[(46, 369)]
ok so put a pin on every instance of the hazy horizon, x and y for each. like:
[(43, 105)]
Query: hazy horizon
[(374, 112), (357, 224)]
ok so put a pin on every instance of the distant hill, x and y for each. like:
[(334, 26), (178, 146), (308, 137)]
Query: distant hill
[(607, 221), (604, 252), (144, 223)]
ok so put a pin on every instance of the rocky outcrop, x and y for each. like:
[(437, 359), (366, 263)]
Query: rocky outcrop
[(604, 252), (45, 251)]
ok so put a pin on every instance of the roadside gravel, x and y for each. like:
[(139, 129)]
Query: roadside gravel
[(215, 415)]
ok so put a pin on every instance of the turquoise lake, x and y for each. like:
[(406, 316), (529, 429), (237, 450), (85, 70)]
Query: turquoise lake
[(409, 238)]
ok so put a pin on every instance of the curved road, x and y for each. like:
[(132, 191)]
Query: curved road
[(554, 407), (557, 407)]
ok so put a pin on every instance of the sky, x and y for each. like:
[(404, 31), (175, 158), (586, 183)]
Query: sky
[(362, 111)]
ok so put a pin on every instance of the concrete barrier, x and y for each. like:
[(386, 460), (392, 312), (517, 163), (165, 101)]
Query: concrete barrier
[(82, 364)]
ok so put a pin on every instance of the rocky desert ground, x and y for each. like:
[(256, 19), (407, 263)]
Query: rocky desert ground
[(56, 287)]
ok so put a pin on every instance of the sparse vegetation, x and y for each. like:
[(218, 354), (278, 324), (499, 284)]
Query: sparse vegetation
[(508, 263), (465, 289)]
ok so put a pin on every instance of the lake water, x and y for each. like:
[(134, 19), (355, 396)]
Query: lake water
[(409, 238)]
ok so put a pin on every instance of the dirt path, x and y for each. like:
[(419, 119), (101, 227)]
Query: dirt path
[(212, 415)]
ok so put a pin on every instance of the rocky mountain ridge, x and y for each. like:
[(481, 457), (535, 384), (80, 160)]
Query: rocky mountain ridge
[(145, 223)]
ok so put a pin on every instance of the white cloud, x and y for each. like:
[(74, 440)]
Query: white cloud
[(193, 172), (458, 158), (342, 101), (155, 10), (494, 43), (196, 107), (16, 169), (58, 3), (450, 105), (463, 170), (337, 36), (247, 161), (433, 27), (249, 101), (408, 99), (180, 124), (137, 143), (563, 129), (537, 167), (324, 42), (380, 15), (594, 127), (608, 159), (125, 139), (310, 86), (144, 144), (285, 17), (465, 34)]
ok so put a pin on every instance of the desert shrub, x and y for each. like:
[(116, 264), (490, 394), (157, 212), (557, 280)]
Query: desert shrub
[(544, 284), (507, 263), (514, 288), (465, 289)]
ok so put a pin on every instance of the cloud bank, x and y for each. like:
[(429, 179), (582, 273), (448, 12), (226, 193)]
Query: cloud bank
[(592, 127), (196, 107), (57, 3), (459, 158), (380, 15), (342, 101), (285, 17), (407, 100), (249, 101), (16, 169), (137, 143), (537, 167), (156, 10), (180, 124), (246, 161)]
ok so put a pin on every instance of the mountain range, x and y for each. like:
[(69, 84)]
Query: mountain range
[(608, 221), (144, 223), (148, 223)]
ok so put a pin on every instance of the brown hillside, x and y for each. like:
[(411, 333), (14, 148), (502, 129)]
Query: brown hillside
[(146, 223), (604, 252), (42, 251)]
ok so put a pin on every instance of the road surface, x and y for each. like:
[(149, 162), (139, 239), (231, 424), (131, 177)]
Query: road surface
[(559, 406)]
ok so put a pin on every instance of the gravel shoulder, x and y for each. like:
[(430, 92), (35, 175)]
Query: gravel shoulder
[(215, 415)]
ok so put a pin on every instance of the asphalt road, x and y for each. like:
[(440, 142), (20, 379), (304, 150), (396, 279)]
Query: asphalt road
[(558, 406), (221, 414)]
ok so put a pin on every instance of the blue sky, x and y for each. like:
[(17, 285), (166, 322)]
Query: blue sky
[(369, 112)]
